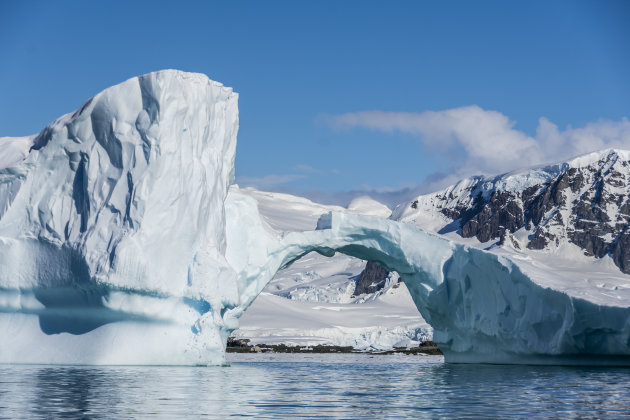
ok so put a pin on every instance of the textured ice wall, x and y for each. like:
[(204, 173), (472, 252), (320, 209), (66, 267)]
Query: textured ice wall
[(112, 229), (481, 306)]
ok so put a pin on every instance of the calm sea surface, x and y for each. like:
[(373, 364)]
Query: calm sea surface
[(314, 386)]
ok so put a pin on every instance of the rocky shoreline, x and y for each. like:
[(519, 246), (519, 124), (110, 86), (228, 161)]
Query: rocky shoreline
[(244, 346)]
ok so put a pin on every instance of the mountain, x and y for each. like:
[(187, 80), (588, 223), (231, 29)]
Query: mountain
[(583, 202)]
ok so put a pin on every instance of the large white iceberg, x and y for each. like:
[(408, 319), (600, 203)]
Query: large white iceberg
[(112, 229), (120, 242)]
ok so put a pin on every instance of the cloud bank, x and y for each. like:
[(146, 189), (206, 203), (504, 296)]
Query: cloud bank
[(268, 181), (276, 182), (478, 141), (470, 140)]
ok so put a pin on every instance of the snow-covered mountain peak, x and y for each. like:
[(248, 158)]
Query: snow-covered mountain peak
[(368, 206), (610, 156), (583, 201)]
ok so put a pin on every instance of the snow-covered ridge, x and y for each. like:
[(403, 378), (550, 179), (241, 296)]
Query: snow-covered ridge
[(518, 180), (369, 207), (286, 212), (582, 202)]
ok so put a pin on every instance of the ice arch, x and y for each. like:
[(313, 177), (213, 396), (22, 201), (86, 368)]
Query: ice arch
[(481, 306)]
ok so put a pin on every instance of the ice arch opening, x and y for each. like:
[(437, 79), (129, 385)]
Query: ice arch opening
[(482, 307), (338, 302)]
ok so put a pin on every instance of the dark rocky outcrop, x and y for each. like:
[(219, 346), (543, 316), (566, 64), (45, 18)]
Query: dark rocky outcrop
[(372, 279), (621, 252), (243, 346), (493, 217)]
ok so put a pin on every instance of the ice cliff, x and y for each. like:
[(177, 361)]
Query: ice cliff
[(112, 228), (120, 242)]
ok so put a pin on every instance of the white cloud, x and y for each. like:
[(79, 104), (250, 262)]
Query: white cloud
[(307, 169), (472, 140), (268, 181), (276, 182), (478, 141)]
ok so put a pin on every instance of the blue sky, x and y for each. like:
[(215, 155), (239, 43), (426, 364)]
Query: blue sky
[(339, 96)]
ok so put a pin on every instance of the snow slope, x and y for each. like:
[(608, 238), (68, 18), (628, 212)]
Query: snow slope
[(390, 320)]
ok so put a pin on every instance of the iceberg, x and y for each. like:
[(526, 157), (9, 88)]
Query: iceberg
[(121, 242), (112, 227)]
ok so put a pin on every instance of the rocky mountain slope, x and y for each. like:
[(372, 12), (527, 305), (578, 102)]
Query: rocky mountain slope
[(584, 202)]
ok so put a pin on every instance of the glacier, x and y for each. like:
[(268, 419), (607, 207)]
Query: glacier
[(121, 242)]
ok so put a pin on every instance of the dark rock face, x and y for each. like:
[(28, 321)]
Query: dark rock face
[(492, 218), (586, 205), (621, 252), (372, 279), (541, 239)]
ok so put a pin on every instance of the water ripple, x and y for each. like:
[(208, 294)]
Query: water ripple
[(318, 386)]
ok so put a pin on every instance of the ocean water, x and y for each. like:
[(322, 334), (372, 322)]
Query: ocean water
[(314, 386)]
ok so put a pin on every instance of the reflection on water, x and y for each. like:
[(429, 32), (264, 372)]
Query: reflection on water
[(349, 386)]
